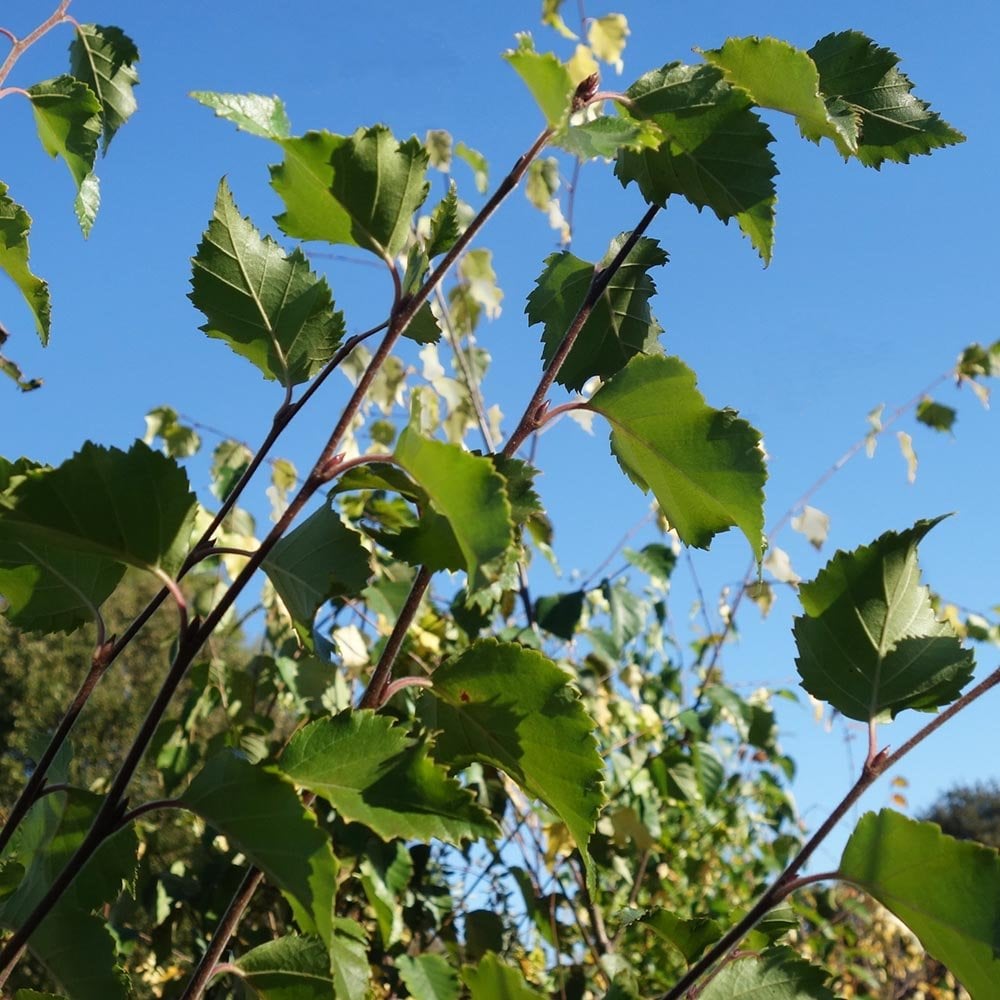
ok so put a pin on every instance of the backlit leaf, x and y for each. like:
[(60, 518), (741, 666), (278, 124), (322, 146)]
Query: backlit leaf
[(259, 811), (715, 152), (444, 224), (68, 116), (704, 466), (438, 144), (607, 37), (268, 306), (812, 523), (14, 225), (506, 705), (946, 891), (620, 325), (552, 17), (775, 974), (254, 113), (545, 76), (372, 772), (604, 136), (288, 968), (179, 440), (479, 164), (869, 642), (859, 79), (104, 58), (303, 182)]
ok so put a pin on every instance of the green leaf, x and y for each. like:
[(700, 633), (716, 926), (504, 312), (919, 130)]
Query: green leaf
[(13, 370), (479, 164), (936, 415), (14, 225), (386, 871), (372, 772), (288, 968), (428, 977), (254, 113), (946, 891), (349, 955), (104, 58), (607, 37), (545, 76), (715, 152), (97, 502), (560, 613), (179, 440), (860, 82), (68, 117), (870, 643), (269, 306), (444, 224), (704, 466), (778, 75), (689, 937), (777, 974), (490, 979), (423, 328), (303, 182), (319, 560), (620, 325), (465, 489), (506, 705), (655, 560), (259, 811), (552, 17), (604, 136)]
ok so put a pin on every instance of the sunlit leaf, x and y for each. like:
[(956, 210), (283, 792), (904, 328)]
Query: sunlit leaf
[(438, 144), (909, 455), (349, 958), (288, 968), (104, 58), (479, 164), (604, 136), (607, 37), (254, 113), (268, 306), (490, 979), (946, 891), (179, 440), (655, 559), (812, 523), (372, 772), (545, 76), (690, 937), (14, 225), (775, 974), (428, 977), (552, 17), (704, 466), (870, 643)]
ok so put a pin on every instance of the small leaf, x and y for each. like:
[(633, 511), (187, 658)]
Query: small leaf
[(869, 642), (319, 560), (656, 560), (552, 17), (479, 280), (715, 152), (936, 415), (909, 455), (490, 979), (423, 328), (268, 306), (689, 937), (620, 325), (560, 613), (14, 225), (506, 705), (438, 144), (542, 182), (604, 136), (859, 80), (946, 891), (372, 772), (444, 224), (704, 466), (607, 36), (288, 967), (812, 523), (776, 974), (479, 164), (258, 810), (104, 58), (428, 977), (179, 440), (68, 116), (97, 502), (254, 113), (545, 76)]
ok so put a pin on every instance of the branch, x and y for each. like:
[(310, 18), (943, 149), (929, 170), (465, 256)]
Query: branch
[(20, 46)]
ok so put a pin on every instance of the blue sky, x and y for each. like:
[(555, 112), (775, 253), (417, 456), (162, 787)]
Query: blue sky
[(879, 279)]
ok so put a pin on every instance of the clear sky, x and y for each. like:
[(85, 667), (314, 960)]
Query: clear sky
[(879, 279)]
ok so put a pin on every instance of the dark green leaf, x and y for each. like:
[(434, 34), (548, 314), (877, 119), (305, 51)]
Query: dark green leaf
[(704, 466), (68, 116), (560, 613), (869, 642), (656, 560), (319, 560), (509, 706), (288, 968), (97, 502), (262, 116), (776, 974), (689, 937), (545, 76), (372, 772), (620, 325), (715, 153), (258, 810), (423, 328), (104, 58), (859, 79), (444, 224), (14, 225), (936, 415), (428, 977), (484, 932), (267, 305), (946, 891), (604, 136)]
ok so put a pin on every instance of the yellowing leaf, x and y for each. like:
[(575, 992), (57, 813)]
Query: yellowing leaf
[(906, 447), (607, 36)]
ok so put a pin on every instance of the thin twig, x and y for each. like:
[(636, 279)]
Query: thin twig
[(20, 46)]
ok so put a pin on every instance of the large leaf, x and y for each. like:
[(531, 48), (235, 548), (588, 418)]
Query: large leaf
[(428, 977), (509, 706), (490, 979), (303, 182), (14, 225), (288, 968), (946, 891), (254, 113), (319, 560), (104, 58), (862, 86), (545, 76), (258, 810), (704, 466), (715, 152), (870, 642), (620, 325), (372, 772), (776, 974), (778, 75), (68, 116), (269, 306), (99, 502), (75, 947)]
